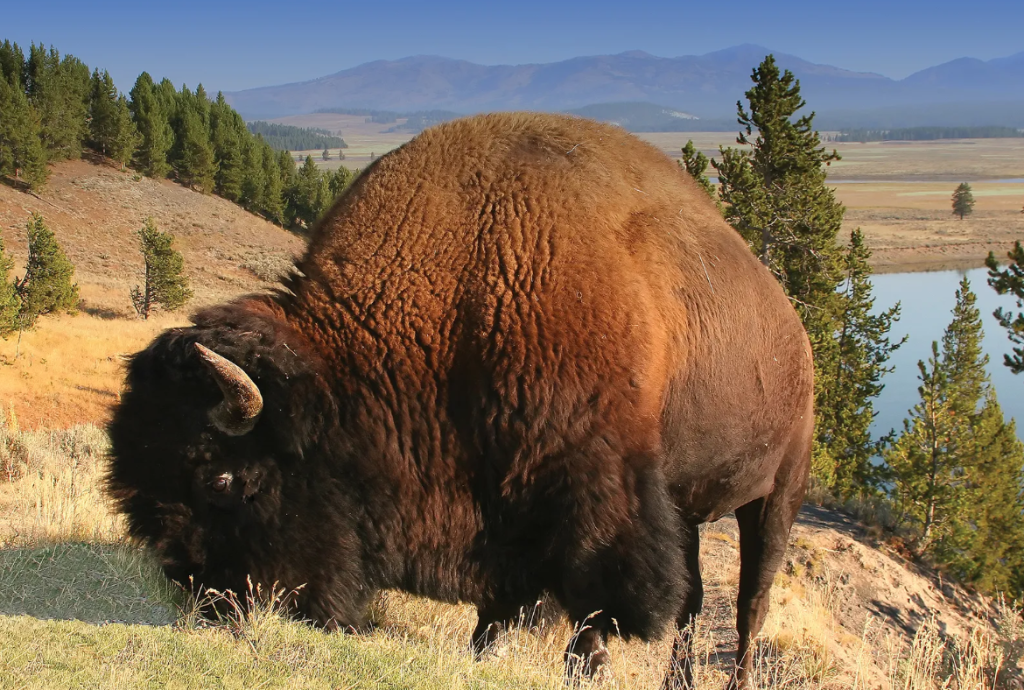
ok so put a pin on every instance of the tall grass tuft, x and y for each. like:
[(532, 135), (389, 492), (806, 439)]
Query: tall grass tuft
[(50, 485)]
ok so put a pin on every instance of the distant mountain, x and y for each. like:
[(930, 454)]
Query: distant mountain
[(706, 86)]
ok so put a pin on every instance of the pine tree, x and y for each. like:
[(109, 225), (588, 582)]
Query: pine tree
[(307, 196), (153, 125), (286, 167), (775, 195), (21, 150), (227, 132), (59, 91), (273, 190), (963, 357), (696, 164), (340, 181), (126, 137), (103, 113), (192, 154), (1010, 281), (991, 554), (326, 155), (851, 379), (963, 201), (46, 287), (166, 283), (12, 64), (254, 181), (10, 302), (932, 462)]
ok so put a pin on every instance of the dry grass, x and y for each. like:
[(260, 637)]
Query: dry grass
[(68, 370), (63, 557)]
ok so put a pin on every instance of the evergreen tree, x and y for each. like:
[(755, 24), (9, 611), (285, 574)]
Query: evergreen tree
[(103, 113), (963, 201), (12, 64), (992, 544), (929, 488), (166, 283), (775, 195), (192, 154), (932, 461), (851, 379), (326, 155), (696, 164), (46, 287), (59, 91), (254, 180), (340, 181), (10, 302), (286, 167), (126, 137), (273, 190), (1010, 281), (153, 125), (21, 150), (227, 132), (307, 197)]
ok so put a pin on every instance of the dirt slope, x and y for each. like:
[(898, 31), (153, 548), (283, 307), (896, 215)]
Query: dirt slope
[(95, 210), (846, 599), (69, 368)]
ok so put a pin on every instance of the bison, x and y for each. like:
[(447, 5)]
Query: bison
[(523, 353)]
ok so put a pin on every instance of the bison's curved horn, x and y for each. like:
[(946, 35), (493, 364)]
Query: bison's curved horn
[(237, 413)]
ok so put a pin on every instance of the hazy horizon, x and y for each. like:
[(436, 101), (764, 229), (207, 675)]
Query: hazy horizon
[(234, 46)]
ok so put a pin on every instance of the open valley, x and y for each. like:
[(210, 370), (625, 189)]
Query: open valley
[(897, 192)]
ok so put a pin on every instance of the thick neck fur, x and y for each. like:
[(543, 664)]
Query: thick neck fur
[(381, 443)]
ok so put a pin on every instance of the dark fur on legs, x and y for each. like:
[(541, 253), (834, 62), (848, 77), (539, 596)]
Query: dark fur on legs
[(680, 674)]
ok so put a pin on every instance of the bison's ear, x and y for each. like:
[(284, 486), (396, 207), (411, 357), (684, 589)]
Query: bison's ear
[(237, 414)]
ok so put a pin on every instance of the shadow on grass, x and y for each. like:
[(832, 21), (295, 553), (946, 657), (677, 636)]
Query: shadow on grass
[(99, 312), (95, 583)]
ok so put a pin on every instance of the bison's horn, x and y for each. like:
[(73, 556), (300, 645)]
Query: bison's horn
[(237, 413)]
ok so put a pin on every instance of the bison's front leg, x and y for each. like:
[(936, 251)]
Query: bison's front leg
[(585, 655), (634, 584), (680, 673), (495, 617)]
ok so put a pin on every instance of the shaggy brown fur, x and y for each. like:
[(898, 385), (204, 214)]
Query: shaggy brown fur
[(523, 353)]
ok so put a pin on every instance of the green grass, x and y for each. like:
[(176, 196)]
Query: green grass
[(73, 654), (87, 616), (95, 583)]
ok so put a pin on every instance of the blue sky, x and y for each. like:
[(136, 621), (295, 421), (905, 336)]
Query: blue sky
[(234, 45)]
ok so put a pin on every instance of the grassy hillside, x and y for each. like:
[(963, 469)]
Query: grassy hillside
[(68, 368)]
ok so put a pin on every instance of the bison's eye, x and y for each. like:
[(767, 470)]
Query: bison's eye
[(220, 484)]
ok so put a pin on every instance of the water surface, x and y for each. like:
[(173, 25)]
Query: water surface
[(927, 299)]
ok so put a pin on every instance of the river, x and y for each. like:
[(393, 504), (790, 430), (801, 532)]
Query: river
[(927, 302)]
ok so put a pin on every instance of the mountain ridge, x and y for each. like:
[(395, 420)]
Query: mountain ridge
[(706, 85)]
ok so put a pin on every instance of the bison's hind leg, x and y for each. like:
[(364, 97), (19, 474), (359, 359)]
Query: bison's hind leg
[(632, 586), (764, 534)]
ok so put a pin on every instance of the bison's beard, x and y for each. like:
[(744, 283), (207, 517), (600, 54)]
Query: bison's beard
[(228, 568)]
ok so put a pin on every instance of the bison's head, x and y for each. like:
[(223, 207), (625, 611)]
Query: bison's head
[(217, 463)]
